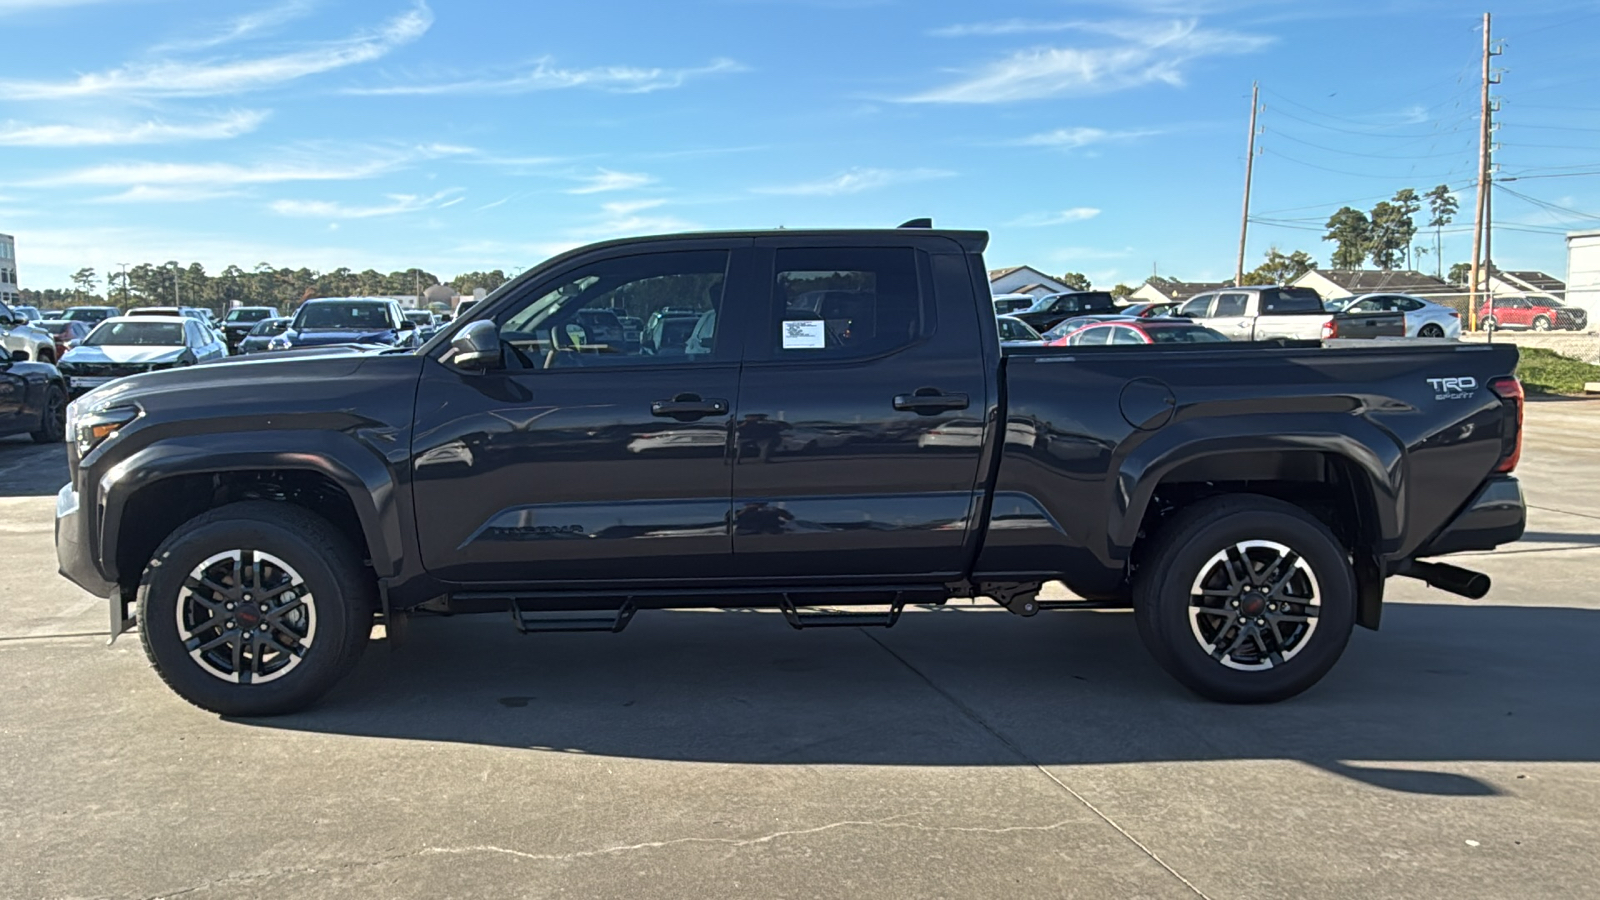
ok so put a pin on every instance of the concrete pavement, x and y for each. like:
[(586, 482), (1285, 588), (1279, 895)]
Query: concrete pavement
[(965, 753)]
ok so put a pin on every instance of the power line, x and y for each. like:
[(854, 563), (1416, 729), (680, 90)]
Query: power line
[(1548, 205), (1366, 134), (1366, 155), (1581, 18), (1410, 176)]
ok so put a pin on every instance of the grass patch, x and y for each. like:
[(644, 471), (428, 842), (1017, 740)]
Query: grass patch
[(1548, 372)]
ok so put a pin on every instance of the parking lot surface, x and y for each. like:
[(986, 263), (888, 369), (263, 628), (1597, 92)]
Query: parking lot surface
[(965, 753)]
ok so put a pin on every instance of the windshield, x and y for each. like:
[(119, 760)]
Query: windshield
[(355, 315), (56, 327), (267, 327), (419, 317), (86, 312), (248, 315), (1185, 336), (136, 334)]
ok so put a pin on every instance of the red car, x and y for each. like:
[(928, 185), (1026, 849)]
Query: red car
[(65, 332), (1537, 313), (1144, 331)]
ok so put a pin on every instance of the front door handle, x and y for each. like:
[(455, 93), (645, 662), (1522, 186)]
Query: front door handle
[(930, 401), (688, 406)]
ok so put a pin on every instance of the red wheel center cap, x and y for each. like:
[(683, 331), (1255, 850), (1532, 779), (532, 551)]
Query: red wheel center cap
[(249, 616), (1254, 605)]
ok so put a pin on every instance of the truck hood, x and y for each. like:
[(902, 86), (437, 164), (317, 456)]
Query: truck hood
[(122, 353), (281, 374), (314, 336)]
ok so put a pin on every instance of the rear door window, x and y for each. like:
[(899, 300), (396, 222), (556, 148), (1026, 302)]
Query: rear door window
[(846, 303), (1231, 305), (1290, 302), (1198, 307)]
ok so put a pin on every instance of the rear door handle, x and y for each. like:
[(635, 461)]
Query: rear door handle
[(688, 406), (928, 401)]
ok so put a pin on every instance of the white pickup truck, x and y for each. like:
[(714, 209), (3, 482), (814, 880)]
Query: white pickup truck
[(1264, 313)]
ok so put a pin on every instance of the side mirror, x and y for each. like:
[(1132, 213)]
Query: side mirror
[(407, 325), (477, 346)]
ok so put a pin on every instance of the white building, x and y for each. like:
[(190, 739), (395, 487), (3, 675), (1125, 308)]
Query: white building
[(8, 268), (1023, 280), (1583, 271)]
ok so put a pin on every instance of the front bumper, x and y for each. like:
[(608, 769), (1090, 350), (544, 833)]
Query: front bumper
[(1494, 516), (73, 554)]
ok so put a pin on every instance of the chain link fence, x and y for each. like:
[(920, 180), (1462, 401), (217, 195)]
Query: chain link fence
[(1585, 347)]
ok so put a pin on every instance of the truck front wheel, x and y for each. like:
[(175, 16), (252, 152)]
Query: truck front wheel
[(255, 609), (1245, 599)]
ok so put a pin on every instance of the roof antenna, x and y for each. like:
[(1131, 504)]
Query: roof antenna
[(917, 223)]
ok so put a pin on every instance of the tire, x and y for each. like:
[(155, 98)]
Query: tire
[(1430, 331), (327, 616), (1541, 323), (53, 423), (1185, 554), (1489, 323), (45, 356)]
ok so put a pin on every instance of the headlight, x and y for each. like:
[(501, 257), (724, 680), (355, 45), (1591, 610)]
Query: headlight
[(278, 343), (90, 427)]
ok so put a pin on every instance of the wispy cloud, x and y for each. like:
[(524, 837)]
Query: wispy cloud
[(607, 180), (154, 131), (856, 181), (545, 75), (1139, 53), (624, 217), (249, 25), (297, 164), (11, 6), (144, 193), (1005, 27), (1073, 138), (1045, 219), (398, 204), (177, 78)]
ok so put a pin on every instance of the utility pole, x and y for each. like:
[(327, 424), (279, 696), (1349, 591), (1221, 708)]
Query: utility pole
[(1481, 223), (124, 287), (1249, 170)]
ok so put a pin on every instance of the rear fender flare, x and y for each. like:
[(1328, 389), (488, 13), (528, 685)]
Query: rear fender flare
[(1375, 454), (362, 475)]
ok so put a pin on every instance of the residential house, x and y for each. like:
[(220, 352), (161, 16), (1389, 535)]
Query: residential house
[(1023, 280), (1334, 284), (1169, 290), (1527, 283)]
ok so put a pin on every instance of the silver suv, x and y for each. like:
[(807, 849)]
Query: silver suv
[(23, 341)]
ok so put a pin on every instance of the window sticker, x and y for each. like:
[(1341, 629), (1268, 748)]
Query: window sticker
[(804, 334)]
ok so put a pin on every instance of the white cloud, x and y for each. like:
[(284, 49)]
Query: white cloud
[(1042, 220), (623, 217), (607, 180), (1008, 26), (247, 25), (855, 181), (546, 76), (11, 6), (1073, 138), (300, 164), (176, 78), (398, 204), (143, 193), (153, 131), (1139, 54)]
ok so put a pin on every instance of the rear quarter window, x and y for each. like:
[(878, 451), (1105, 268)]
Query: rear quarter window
[(1290, 302)]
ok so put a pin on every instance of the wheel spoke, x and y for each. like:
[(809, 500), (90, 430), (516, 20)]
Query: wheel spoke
[(203, 583), (1281, 572), (214, 622), (212, 644), (1237, 577), (1239, 636), (253, 566)]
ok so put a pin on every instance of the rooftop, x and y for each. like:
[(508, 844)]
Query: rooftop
[(1400, 281)]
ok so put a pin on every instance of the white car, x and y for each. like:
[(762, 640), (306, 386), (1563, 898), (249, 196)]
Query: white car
[(129, 345), (1006, 304), (1423, 318), (1016, 333)]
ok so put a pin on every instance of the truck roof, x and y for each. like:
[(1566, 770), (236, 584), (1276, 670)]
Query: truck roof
[(969, 241)]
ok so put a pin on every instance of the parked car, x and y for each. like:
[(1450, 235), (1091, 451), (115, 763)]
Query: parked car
[(1057, 335), (261, 334), (603, 327), (426, 320), (132, 345), (241, 320), (1048, 311), (1266, 492), (667, 335), (191, 312), (33, 401), (464, 307), (1535, 313), (90, 315), (1148, 310), (50, 314), (23, 341), (1265, 313), (65, 332), (1006, 304), (347, 320), (28, 312), (632, 330), (1143, 331), (1016, 333), (1423, 318)]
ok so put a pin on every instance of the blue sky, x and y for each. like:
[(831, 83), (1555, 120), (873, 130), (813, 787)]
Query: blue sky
[(1106, 138)]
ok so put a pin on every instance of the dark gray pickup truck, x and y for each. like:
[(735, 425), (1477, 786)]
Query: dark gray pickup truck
[(821, 423)]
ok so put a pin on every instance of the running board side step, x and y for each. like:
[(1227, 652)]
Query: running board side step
[(536, 622), (800, 618)]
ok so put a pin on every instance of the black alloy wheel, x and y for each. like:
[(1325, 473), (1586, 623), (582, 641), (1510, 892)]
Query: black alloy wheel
[(1430, 331), (53, 421)]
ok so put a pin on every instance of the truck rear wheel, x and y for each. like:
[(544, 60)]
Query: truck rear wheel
[(1245, 599), (255, 609)]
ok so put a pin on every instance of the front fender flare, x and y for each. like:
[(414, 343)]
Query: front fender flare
[(362, 475)]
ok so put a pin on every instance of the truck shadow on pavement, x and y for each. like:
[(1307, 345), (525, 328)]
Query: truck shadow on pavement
[(31, 470), (1440, 687)]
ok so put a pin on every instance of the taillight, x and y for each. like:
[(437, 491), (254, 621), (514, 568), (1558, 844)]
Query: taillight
[(1330, 329), (1510, 392)]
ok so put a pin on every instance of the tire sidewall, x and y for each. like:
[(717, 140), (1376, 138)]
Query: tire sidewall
[(158, 597), (53, 421), (1541, 323), (1167, 628)]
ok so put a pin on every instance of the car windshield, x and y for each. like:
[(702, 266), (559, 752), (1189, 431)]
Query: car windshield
[(1185, 336), (268, 327), (419, 317), (56, 327), (248, 315), (342, 315), (85, 312), (136, 334)]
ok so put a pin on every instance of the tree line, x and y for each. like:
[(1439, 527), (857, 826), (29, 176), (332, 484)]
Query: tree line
[(150, 284)]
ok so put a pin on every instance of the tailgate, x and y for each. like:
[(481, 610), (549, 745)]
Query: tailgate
[(1369, 324)]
